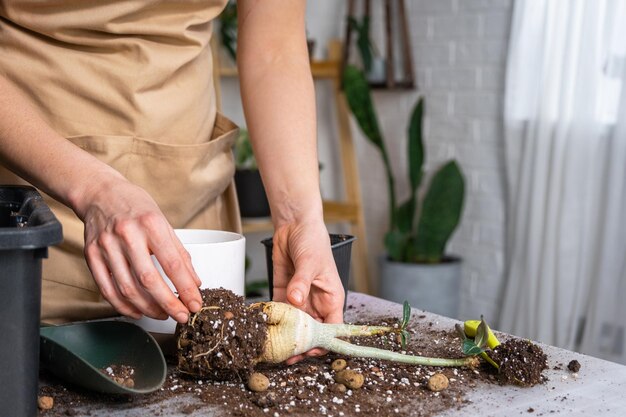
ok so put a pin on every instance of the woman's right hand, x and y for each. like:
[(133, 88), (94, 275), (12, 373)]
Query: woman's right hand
[(123, 227)]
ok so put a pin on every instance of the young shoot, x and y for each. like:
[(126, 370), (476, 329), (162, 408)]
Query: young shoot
[(482, 337), (406, 317)]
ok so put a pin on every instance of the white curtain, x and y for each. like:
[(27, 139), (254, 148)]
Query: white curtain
[(565, 153)]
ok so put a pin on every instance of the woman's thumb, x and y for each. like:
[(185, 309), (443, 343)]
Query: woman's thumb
[(298, 290)]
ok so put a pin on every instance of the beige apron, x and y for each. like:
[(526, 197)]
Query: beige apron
[(130, 83)]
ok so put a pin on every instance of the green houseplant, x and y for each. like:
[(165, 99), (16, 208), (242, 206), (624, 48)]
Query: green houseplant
[(373, 64), (228, 29), (250, 192), (418, 230)]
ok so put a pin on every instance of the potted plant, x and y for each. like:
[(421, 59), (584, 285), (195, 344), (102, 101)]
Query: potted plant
[(415, 266), (373, 64), (250, 192), (228, 29)]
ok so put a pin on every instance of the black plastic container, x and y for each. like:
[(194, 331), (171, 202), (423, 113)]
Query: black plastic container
[(27, 228), (251, 194), (341, 246)]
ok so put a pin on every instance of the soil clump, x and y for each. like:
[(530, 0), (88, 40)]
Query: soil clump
[(223, 340), (574, 366), (521, 362)]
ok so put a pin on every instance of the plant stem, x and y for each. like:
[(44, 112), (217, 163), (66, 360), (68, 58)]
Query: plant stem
[(392, 188), (489, 360), (349, 330), (349, 349)]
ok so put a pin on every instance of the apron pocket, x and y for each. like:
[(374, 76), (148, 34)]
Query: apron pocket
[(183, 179)]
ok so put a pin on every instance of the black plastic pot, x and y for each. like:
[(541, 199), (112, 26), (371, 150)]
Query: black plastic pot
[(341, 246), (251, 194), (27, 228)]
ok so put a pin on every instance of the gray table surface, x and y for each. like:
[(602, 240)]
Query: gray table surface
[(599, 388)]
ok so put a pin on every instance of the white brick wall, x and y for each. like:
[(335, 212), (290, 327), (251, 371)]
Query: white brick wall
[(459, 51)]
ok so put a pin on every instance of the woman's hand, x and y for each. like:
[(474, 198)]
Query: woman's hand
[(123, 227), (305, 274)]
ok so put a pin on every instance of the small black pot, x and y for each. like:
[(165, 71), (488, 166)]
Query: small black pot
[(251, 194), (341, 246)]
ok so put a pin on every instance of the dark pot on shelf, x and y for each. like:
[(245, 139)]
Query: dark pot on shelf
[(251, 194), (341, 246), (27, 228)]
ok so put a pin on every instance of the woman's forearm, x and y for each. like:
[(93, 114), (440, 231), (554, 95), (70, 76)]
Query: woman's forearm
[(32, 149), (279, 103)]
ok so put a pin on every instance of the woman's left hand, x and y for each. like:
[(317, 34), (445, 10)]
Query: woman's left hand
[(305, 274)]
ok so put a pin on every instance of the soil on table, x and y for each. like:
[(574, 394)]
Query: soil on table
[(309, 387), (224, 339)]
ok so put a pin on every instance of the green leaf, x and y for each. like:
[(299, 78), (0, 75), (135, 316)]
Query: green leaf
[(244, 155), (406, 215), (228, 29), (416, 146), (441, 211), (404, 338), (482, 334), (406, 314), (360, 101), (396, 244), (363, 41), (470, 348)]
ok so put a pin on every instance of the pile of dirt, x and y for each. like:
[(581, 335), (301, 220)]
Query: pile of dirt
[(223, 340), (122, 374), (521, 362)]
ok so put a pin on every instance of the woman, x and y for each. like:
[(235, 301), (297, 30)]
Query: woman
[(108, 107)]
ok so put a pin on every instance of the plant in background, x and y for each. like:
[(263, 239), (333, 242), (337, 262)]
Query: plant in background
[(417, 233), (228, 29), (363, 42), (244, 156)]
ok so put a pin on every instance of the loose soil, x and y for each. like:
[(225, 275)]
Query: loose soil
[(521, 362), (121, 374), (309, 387)]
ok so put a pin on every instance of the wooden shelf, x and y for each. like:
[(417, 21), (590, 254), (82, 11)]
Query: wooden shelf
[(334, 212), (255, 225), (319, 69)]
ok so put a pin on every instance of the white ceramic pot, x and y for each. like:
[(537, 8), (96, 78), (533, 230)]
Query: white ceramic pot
[(378, 71), (431, 287), (219, 259)]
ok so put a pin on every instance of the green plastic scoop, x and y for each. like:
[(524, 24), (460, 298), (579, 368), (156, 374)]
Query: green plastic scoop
[(77, 352)]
